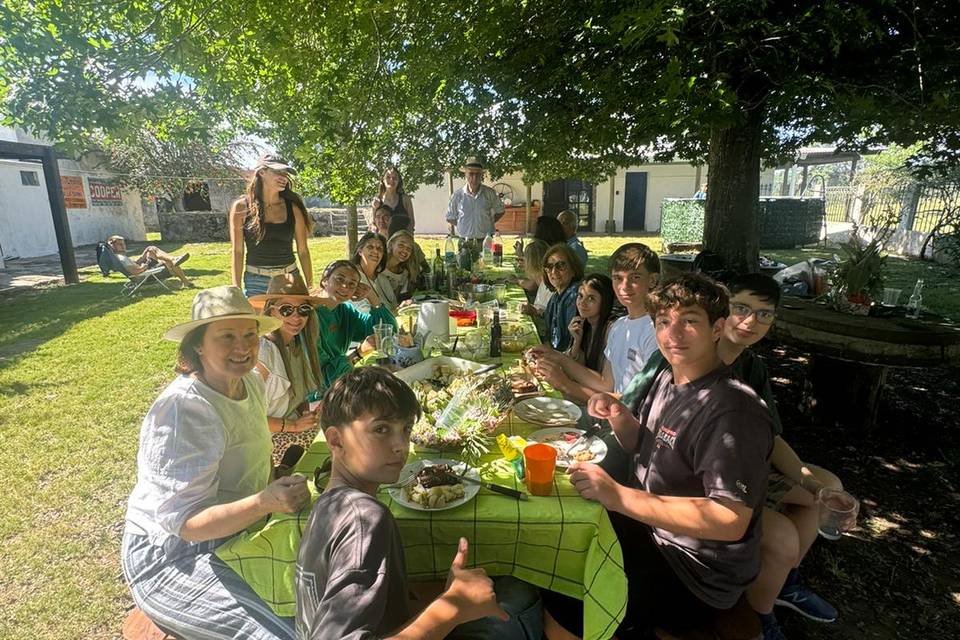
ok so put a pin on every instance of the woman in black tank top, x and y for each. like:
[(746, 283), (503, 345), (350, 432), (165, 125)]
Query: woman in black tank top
[(392, 196), (264, 224)]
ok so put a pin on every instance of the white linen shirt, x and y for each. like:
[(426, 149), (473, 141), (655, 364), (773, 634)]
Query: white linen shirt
[(474, 214), (277, 382), (198, 448), (630, 343)]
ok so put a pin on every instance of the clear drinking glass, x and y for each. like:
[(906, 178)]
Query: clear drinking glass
[(838, 512)]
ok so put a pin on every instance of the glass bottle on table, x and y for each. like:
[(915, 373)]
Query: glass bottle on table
[(439, 275), (496, 334), (497, 249), (916, 299)]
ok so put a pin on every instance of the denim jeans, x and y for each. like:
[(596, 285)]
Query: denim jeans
[(518, 598), (256, 284)]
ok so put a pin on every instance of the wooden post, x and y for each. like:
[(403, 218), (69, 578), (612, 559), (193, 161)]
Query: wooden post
[(61, 225), (351, 229), (803, 180), (611, 224), (698, 178), (526, 229), (786, 178), (450, 182)]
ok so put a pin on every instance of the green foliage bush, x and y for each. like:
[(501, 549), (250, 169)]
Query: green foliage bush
[(681, 221)]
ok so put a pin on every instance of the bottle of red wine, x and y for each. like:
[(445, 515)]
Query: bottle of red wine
[(496, 334)]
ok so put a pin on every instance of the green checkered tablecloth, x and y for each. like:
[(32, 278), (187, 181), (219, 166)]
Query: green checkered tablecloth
[(560, 542)]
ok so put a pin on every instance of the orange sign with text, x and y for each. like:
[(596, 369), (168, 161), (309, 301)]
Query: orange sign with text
[(73, 196)]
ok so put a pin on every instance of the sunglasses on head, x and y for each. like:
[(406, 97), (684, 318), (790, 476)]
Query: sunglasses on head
[(287, 310)]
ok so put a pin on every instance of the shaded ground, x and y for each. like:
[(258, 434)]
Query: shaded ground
[(898, 574)]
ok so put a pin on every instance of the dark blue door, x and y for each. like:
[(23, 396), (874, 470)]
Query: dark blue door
[(635, 201)]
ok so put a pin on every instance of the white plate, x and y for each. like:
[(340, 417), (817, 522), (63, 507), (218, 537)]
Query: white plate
[(549, 412), (470, 489), (597, 446)]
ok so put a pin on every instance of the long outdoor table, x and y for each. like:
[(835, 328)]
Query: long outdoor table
[(560, 542)]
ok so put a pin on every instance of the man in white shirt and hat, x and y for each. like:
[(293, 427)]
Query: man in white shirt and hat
[(475, 207)]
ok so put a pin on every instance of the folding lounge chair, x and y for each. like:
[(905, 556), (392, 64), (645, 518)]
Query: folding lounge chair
[(108, 261)]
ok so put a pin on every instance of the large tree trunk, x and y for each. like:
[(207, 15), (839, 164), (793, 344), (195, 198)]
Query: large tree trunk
[(730, 223), (351, 229)]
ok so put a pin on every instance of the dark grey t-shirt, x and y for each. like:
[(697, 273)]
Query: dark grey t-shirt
[(351, 577), (709, 438)]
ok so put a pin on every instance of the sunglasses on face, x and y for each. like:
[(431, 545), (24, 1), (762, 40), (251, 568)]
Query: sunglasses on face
[(764, 316), (287, 310), (555, 266)]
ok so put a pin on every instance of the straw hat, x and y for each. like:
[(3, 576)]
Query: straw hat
[(472, 163), (288, 285), (220, 303), (270, 161)]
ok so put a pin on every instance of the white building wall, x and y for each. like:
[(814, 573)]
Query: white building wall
[(26, 223), (430, 201), (664, 180)]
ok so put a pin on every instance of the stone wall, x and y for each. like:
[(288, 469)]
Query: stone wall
[(211, 226)]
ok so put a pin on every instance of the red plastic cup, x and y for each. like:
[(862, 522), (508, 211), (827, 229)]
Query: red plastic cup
[(540, 461)]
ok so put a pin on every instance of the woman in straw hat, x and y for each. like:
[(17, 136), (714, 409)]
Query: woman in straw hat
[(288, 362), (203, 475), (263, 225)]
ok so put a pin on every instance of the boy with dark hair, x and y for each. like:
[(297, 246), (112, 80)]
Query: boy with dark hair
[(351, 576), (634, 269), (689, 521), (790, 515)]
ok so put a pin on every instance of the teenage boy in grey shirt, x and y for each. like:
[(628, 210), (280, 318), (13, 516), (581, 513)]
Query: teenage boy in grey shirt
[(688, 523), (351, 577)]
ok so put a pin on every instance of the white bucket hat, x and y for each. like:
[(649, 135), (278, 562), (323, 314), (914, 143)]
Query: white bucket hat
[(220, 303)]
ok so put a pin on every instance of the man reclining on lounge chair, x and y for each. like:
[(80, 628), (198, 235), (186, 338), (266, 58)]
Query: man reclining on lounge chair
[(151, 257)]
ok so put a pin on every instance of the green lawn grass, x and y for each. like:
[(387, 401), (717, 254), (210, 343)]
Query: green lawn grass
[(79, 367)]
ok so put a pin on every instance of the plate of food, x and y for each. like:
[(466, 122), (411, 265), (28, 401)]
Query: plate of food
[(435, 485), (435, 382), (549, 412), (523, 384), (561, 438)]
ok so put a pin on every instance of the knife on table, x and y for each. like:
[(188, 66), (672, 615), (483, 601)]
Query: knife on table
[(507, 491)]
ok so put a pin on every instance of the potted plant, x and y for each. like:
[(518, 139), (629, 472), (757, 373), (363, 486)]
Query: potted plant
[(857, 277)]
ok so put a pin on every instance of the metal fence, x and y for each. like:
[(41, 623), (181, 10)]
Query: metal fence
[(916, 207)]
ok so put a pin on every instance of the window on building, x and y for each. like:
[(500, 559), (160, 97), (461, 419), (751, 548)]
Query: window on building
[(29, 179)]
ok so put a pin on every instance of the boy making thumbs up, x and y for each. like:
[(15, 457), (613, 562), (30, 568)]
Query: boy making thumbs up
[(351, 577)]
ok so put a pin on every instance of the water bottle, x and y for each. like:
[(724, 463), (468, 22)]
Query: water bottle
[(488, 249), (916, 299), (450, 253)]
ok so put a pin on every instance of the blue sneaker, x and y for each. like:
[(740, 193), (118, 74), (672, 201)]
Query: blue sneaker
[(771, 628), (797, 596)]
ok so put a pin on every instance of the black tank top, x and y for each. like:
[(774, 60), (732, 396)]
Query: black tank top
[(398, 210), (276, 247)]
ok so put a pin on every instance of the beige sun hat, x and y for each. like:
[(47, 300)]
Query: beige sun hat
[(220, 303), (271, 161), (288, 285), (472, 163)]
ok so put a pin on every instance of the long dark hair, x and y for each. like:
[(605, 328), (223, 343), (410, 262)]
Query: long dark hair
[(253, 224), (594, 337), (549, 230), (370, 236), (383, 187)]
